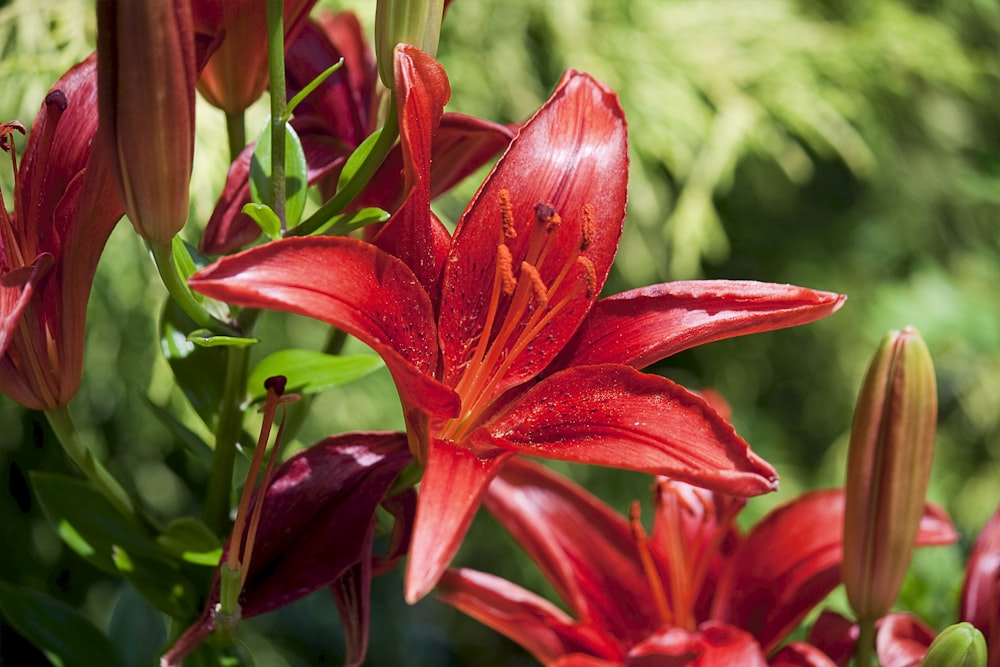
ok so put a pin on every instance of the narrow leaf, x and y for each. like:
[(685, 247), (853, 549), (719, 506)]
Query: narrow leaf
[(339, 225), (205, 338), (309, 87), (296, 173), (311, 372), (265, 218), (357, 158)]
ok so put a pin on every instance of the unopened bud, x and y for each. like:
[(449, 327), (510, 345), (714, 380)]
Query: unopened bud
[(959, 645), (888, 470), (414, 22), (146, 96)]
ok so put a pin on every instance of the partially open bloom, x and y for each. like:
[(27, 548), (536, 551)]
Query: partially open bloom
[(696, 589), (146, 93), (65, 207), (888, 470), (236, 73), (495, 338)]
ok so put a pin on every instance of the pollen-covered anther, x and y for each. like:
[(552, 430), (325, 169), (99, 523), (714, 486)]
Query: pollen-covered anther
[(587, 224), (547, 215), (505, 269), (507, 214), (589, 275), (538, 287)]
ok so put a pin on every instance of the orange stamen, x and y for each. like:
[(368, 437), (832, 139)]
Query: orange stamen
[(507, 215), (589, 276), (505, 269), (541, 292), (648, 566), (588, 225)]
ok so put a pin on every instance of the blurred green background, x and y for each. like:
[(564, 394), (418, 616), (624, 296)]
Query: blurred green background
[(844, 145)]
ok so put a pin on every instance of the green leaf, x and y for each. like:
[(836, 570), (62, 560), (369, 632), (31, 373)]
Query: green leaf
[(190, 441), (65, 636), (310, 372), (159, 581), (357, 158), (296, 173), (205, 338), (190, 540), (182, 257), (87, 522), (265, 218), (136, 629), (200, 371), (346, 223), (309, 87)]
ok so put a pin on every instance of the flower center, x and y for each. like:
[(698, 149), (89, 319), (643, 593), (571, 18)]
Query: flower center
[(531, 304)]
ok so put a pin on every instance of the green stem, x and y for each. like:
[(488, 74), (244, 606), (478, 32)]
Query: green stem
[(181, 293), (74, 446), (236, 131), (386, 140), (864, 648), (276, 71), (227, 433)]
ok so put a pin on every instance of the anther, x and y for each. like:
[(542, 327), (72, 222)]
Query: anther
[(541, 292), (590, 275), (505, 267), (587, 223), (546, 213), (507, 213), (6, 134)]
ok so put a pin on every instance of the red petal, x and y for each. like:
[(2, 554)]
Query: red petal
[(616, 416), (453, 485), (835, 635), (540, 627), (645, 325), (713, 645), (800, 654), (348, 284), (789, 562), (573, 152), (583, 548), (229, 228), (902, 640), (413, 234), (16, 288), (980, 604)]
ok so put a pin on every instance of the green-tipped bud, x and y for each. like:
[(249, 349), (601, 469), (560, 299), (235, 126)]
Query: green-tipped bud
[(888, 469), (414, 22), (146, 95), (959, 645)]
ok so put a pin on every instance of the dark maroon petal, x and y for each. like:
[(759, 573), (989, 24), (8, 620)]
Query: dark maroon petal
[(450, 492), (540, 627), (902, 640), (583, 548), (616, 416), (571, 154), (980, 603), (835, 635), (352, 593), (350, 285), (645, 325)]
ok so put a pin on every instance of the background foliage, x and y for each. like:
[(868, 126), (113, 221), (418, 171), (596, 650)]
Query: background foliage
[(844, 145)]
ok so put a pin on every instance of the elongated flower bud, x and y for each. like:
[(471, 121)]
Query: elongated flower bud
[(888, 469), (959, 645), (414, 22), (146, 97)]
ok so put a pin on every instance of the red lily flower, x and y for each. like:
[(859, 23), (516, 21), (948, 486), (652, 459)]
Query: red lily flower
[(336, 117), (903, 639), (467, 324), (65, 206), (696, 590), (316, 530), (236, 74)]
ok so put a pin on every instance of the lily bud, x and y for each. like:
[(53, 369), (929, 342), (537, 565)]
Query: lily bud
[(146, 96), (959, 645), (414, 22), (888, 470)]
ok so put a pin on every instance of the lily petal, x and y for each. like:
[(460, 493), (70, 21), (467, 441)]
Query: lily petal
[(572, 153), (616, 416), (902, 640), (643, 326), (713, 645), (453, 485), (348, 284), (835, 635), (16, 288), (790, 561), (539, 626), (800, 654), (584, 549), (352, 593), (980, 603)]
